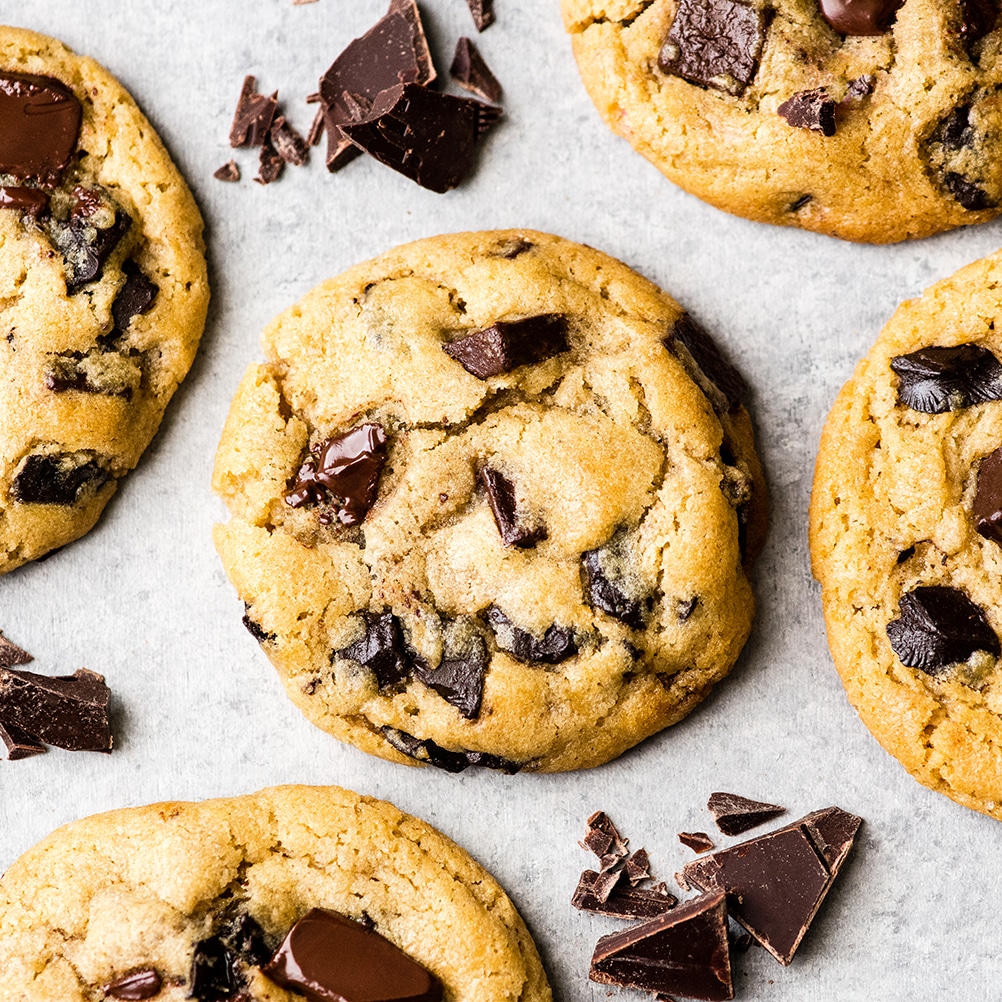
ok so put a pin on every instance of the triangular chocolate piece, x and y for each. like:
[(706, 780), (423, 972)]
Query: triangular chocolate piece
[(11, 654), (622, 901), (683, 952), (20, 744), (735, 815)]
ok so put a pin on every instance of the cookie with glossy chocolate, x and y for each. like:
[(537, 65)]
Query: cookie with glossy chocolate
[(494, 498), (264, 898), (870, 120), (904, 536), (102, 290)]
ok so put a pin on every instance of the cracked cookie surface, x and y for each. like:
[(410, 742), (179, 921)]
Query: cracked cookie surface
[(103, 296), (143, 889), (912, 589), (764, 110), (493, 499)]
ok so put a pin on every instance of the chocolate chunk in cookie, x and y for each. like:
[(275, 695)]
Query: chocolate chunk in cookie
[(810, 109), (977, 18), (860, 17), (938, 379), (508, 344), (382, 650), (57, 479), (699, 352), (134, 298), (441, 758), (512, 522), (459, 677), (939, 627), (212, 975), (31, 201), (144, 984), (556, 644), (987, 511), (611, 592), (39, 125)]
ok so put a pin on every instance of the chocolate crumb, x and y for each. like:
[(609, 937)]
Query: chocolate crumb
[(230, 171), (471, 72), (697, 841), (288, 143), (270, 164)]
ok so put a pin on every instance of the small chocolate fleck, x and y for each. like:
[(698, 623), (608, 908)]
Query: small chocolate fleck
[(697, 841), (504, 504), (142, 984), (987, 511), (735, 815), (30, 201), (714, 43), (609, 595), (508, 344), (861, 87), (432, 754), (937, 379), (482, 12), (810, 109), (686, 608), (261, 635), (382, 650), (939, 626), (459, 677), (860, 17), (703, 352), (471, 72), (288, 143), (623, 902), (906, 554), (212, 976), (230, 171), (557, 643), (253, 116), (11, 654), (799, 203), (56, 479)]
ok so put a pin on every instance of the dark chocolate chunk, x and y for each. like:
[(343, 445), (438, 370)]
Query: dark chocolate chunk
[(557, 643), (905, 555), (459, 677), (508, 344), (697, 841), (703, 352), (68, 712), (482, 12), (422, 53), (142, 984), (346, 467), (956, 131), (433, 754), (810, 109), (637, 867), (472, 73), (860, 17), (86, 247), (254, 115), (684, 952), (714, 43), (987, 510), (230, 171), (245, 937), (270, 163), (977, 18), (212, 976), (623, 902), (97, 371), (861, 87), (56, 479), (735, 815), (504, 504), (30, 201), (11, 654), (134, 298), (935, 380), (287, 143), (19, 743), (775, 883), (938, 627), (261, 635), (969, 194), (609, 595), (39, 125), (382, 650), (329, 957), (425, 135), (603, 883)]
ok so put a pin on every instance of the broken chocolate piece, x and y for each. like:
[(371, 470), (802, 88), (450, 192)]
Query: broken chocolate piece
[(19, 743), (602, 836), (134, 298), (39, 125), (608, 594), (56, 479), (714, 43), (30, 201), (987, 511), (939, 626), (425, 135), (254, 115), (212, 976), (557, 643), (735, 815), (861, 87), (287, 143), (860, 17), (332, 959), (697, 841), (684, 952), (11, 654), (381, 650), (709, 363), (637, 867), (270, 163), (86, 247), (69, 712), (810, 109), (433, 754), (504, 505), (472, 73), (508, 344), (142, 984), (482, 12), (347, 468), (623, 902), (776, 882), (459, 677), (230, 171), (934, 380), (603, 883)]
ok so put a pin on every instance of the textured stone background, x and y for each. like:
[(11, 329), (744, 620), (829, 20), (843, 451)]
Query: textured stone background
[(199, 711)]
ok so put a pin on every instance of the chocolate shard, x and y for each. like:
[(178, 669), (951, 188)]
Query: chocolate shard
[(938, 627), (608, 593), (714, 43), (600, 824), (134, 298), (622, 902), (504, 504), (683, 952), (810, 109), (144, 984), (735, 815), (557, 643), (459, 677), (471, 72), (270, 163), (69, 712), (934, 380), (19, 743), (382, 650), (697, 841), (860, 17), (30, 201), (482, 12), (39, 125), (56, 479), (637, 867), (230, 171), (987, 511), (604, 883), (288, 143), (698, 351), (775, 883), (346, 469), (451, 761), (11, 654), (212, 975), (253, 117), (508, 344), (330, 958)]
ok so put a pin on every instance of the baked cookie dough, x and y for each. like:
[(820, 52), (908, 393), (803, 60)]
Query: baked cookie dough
[(905, 536), (182, 900), (494, 497), (103, 290), (870, 120)]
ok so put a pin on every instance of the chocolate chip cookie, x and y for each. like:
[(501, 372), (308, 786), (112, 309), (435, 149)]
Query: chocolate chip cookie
[(258, 898), (103, 290), (871, 120), (494, 498), (906, 540)]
